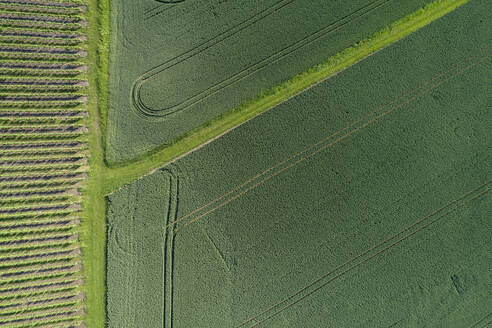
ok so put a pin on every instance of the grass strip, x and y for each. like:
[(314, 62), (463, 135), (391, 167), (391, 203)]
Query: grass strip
[(123, 173)]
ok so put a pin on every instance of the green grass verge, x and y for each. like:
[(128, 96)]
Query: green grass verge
[(127, 172)]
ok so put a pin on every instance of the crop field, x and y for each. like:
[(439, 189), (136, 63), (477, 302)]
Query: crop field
[(260, 163), (174, 67), (363, 201), (43, 161)]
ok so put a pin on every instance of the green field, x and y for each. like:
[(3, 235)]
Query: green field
[(361, 202), (170, 74), (227, 163)]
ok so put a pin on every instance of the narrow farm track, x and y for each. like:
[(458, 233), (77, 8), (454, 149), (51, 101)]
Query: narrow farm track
[(43, 161)]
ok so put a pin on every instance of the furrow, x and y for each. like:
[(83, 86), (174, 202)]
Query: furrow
[(41, 177), (40, 217), (36, 285), (36, 276), (40, 25), (28, 223), (41, 153), (50, 183), (29, 97), (23, 240), (5, 211), (59, 321), (47, 114), (16, 202), (35, 192), (28, 40), (39, 89), (26, 308), (43, 73), (42, 160), (63, 50), (41, 121), (42, 105)]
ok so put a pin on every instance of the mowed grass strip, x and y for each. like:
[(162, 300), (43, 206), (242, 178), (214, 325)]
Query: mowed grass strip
[(368, 255), (120, 175)]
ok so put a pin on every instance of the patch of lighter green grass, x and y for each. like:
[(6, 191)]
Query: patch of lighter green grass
[(93, 234)]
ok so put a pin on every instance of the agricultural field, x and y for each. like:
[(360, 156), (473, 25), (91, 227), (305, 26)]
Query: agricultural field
[(260, 163), (363, 201), (176, 66), (43, 161)]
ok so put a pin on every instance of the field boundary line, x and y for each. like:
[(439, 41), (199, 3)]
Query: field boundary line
[(459, 202), (340, 138), (148, 112), (138, 83), (118, 174), (169, 247), (481, 320), (159, 10)]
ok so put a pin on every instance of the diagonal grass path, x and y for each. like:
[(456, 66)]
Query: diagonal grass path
[(121, 174), (104, 179)]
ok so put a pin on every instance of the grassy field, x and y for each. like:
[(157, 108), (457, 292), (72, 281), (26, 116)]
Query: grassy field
[(43, 162), (361, 202), (191, 73)]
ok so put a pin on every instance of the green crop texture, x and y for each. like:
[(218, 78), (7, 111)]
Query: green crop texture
[(120, 174), (370, 154), (363, 201), (43, 162), (189, 75)]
